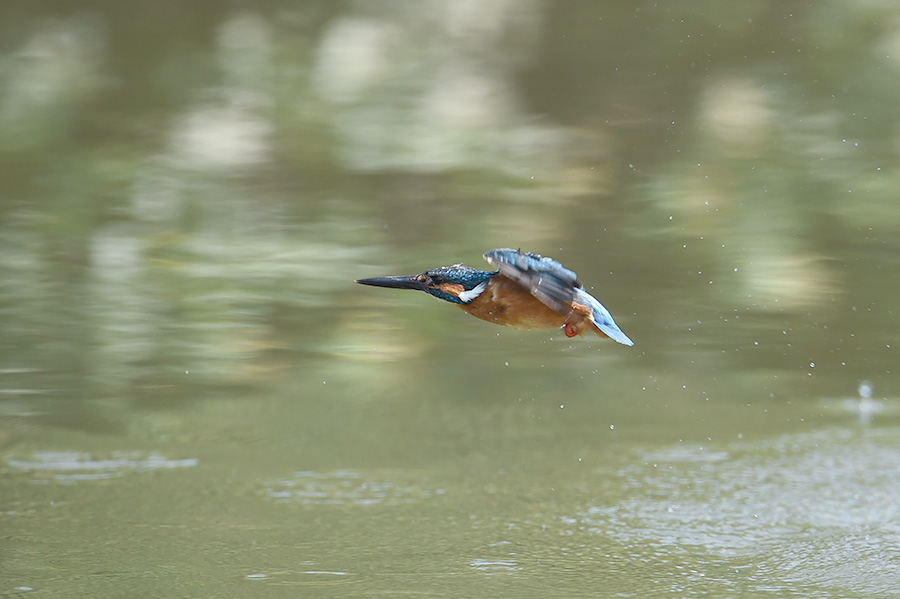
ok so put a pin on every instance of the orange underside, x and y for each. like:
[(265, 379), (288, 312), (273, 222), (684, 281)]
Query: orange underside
[(507, 303)]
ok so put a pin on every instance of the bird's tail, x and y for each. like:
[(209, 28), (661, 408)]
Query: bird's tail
[(603, 320)]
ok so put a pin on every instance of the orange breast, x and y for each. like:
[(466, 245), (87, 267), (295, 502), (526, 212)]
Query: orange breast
[(508, 303)]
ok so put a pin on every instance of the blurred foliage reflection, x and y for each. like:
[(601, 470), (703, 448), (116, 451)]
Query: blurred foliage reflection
[(188, 190), (185, 185)]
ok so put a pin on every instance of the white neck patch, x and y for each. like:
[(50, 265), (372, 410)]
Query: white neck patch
[(468, 296)]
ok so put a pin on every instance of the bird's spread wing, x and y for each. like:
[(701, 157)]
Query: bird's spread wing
[(546, 279)]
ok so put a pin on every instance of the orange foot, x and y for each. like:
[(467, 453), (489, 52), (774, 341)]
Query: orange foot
[(571, 329)]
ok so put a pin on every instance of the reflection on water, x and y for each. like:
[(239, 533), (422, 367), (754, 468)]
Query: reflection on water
[(182, 217), (865, 407), (73, 466), (806, 505), (345, 487), (494, 567)]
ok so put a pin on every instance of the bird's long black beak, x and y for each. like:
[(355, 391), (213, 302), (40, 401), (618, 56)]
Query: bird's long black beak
[(402, 282)]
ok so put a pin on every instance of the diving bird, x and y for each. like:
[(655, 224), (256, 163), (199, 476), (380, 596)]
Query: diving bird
[(527, 291)]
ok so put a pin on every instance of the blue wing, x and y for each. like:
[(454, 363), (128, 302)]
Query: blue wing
[(546, 279)]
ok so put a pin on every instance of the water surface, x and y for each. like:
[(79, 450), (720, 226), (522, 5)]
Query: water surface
[(197, 400)]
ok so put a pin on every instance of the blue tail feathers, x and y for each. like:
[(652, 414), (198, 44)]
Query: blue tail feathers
[(602, 318)]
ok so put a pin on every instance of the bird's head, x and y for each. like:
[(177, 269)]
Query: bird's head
[(458, 284)]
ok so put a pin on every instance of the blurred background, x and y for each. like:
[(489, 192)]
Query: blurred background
[(196, 399)]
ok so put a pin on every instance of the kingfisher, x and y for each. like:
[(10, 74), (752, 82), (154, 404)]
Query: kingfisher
[(527, 291)]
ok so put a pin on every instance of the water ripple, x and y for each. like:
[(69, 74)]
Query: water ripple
[(73, 466), (822, 507), (342, 487)]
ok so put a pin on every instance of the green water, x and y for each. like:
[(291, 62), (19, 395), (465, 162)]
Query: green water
[(196, 400)]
